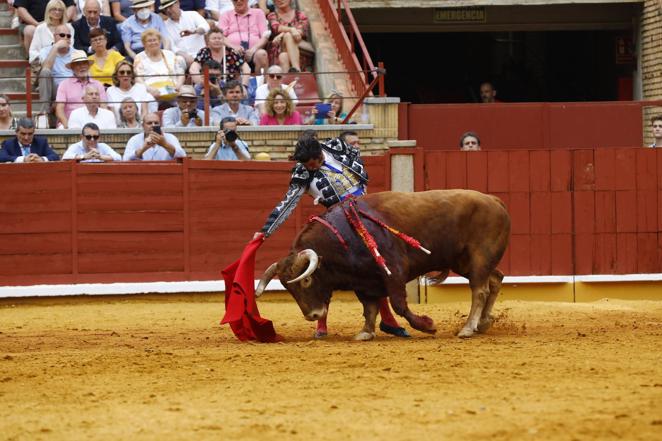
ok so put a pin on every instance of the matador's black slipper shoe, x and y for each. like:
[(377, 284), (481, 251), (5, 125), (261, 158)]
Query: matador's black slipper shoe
[(394, 330)]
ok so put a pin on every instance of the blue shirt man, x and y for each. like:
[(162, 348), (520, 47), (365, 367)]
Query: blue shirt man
[(228, 146), (139, 22), (60, 71)]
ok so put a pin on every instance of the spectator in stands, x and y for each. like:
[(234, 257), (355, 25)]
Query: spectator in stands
[(120, 10), (187, 29), (129, 115), (54, 68), (44, 32), (25, 147), (289, 35), (104, 8), (231, 61), (279, 110), (335, 115), (125, 86), (228, 146), (488, 93), (197, 6), (91, 112), (70, 91), (89, 149), (469, 141), (215, 8), (246, 31), (350, 137), (152, 144), (656, 125), (103, 60), (186, 113), (143, 19), (32, 12), (92, 19), (7, 121), (274, 80), (160, 70), (233, 92), (267, 6), (215, 91)]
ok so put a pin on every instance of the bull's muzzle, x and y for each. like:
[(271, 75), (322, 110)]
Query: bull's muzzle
[(316, 314)]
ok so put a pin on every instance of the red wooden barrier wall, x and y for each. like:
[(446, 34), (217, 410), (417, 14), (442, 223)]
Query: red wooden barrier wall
[(524, 125), (592, 211), (585, 211), (76, 223)]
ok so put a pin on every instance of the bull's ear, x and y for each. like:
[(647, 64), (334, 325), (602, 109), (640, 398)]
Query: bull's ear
[(306, 282)]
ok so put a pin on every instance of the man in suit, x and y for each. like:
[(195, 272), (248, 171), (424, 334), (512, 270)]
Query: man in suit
[(91, 19), (25, 147)]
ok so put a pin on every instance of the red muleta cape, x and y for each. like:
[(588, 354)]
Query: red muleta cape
[(240, 308)]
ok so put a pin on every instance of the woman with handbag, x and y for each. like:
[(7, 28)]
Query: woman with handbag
[(160, 70)]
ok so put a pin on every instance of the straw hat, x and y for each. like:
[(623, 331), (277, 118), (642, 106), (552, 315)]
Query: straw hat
[(187, 91), (262, 156), (138, 4), (77, 57), (165, 4)]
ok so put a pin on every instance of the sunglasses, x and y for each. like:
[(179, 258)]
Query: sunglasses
[(124, 72), (275, 77), (63, 35), (94, 137)]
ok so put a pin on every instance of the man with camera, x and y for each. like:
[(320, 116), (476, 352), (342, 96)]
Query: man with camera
[(186, 114), (228, 146), (215, 91), (153, 144)]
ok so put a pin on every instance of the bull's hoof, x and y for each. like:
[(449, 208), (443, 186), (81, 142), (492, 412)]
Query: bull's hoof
[(364, 336), (465, 333), (320, 334), (486, 324)]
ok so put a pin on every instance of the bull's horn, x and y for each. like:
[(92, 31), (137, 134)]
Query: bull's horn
[(266, 277), (313, 260)]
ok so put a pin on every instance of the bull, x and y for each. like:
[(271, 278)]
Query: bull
[(466, 231)]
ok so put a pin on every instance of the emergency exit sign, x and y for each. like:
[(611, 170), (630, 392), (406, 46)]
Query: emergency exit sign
[(460, 15)]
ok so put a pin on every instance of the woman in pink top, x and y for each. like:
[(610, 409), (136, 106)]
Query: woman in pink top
[(280, 110)]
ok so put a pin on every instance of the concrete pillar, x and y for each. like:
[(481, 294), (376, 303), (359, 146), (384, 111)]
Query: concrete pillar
[(402, 179)]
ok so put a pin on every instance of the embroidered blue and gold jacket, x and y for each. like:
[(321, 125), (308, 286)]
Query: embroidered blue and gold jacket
[(347, 155)]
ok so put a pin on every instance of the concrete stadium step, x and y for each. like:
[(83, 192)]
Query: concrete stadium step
[(5, 19), (12, 84), (12, 52), (18, 103), (13, 68), (9, 36)]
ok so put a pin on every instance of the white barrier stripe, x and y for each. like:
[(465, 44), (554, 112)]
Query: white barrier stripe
[(619, 277), (274, 285)]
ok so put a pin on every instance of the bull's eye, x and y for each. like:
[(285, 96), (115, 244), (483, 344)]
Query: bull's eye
[(306, 282)]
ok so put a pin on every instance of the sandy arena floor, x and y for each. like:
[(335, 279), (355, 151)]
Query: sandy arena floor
[(147, 368)]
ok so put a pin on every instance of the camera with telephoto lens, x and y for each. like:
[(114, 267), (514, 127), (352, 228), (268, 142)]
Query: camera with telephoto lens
[(230, 135)]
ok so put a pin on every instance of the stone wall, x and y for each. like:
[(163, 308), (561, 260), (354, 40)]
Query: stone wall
[(651, 62), (277, 141)]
